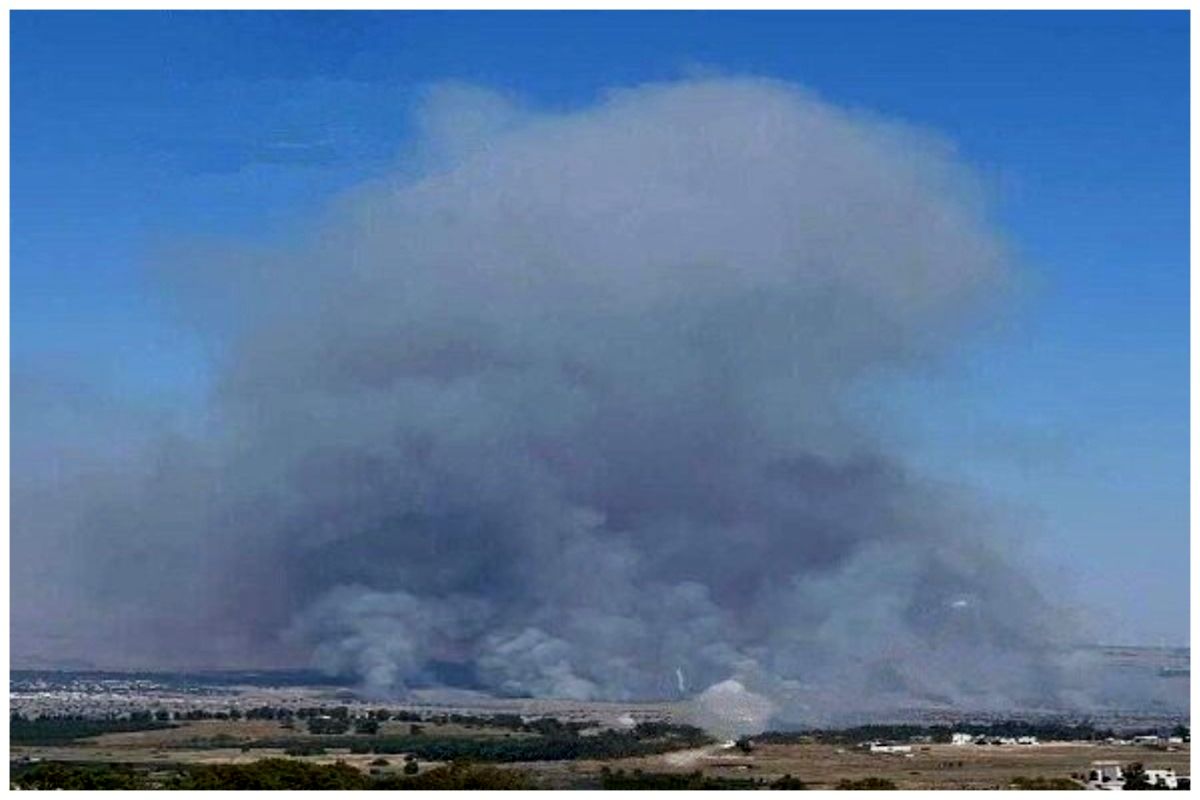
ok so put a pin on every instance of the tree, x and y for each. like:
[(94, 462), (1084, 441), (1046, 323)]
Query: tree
[(1135, 778), (866, 783), (1044, 784), (411, 768)]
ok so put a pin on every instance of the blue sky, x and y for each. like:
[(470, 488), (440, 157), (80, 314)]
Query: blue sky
[(132, 132)]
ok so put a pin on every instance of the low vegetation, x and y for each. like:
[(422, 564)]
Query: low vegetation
[(56, 775), (1043, 784), (866, 784), (556, 742), (69, 730), (622, 780), (268, 773)]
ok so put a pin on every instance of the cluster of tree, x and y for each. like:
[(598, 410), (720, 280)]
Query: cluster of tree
[(334, 720), (560, 747), (333, 712), (269, 773), (1137, 780), (410, 765), (338, 719), (457, 776), (67, 729), (621, 780), (865, 784), (555, 742), (279, 713), (269, 712), (637, 779), (56, 775), (543, 726), (383, 715), (194, 714), (328, 726)]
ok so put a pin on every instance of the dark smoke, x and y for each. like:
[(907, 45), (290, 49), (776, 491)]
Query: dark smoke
[(563, 411)]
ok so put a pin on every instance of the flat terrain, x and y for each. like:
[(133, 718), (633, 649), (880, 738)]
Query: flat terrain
[(223, 741), (932, 766), (935, 766), (588, 738)]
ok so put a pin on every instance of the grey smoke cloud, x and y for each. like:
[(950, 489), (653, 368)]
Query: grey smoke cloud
[(563, 408)]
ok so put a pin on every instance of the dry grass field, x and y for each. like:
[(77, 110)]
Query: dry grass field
[(932, 766), (935, 766), (191, 743)]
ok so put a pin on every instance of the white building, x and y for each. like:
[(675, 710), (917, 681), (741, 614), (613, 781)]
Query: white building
[(894, 749), (1106, 775), (961, 738), (1162, 777)]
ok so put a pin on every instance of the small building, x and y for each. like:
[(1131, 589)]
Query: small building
[(1106, 775), (961, 738), (1162, 777), (892, 749)]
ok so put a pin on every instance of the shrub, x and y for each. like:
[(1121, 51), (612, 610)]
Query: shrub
[(273, 773), (57, 776), (65, 730), (1043, 784), (865, 784), (459, 776), (788, 782)]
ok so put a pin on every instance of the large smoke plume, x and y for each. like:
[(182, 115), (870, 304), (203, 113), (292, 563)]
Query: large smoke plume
[(562, 411)]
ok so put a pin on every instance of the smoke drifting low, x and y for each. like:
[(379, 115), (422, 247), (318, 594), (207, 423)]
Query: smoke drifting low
[(562, 413)]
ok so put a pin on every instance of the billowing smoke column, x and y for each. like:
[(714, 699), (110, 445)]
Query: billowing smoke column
[(562, 413)]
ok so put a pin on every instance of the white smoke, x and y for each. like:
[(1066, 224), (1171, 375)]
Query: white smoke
[(728, 710)]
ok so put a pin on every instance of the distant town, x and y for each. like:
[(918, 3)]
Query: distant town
[(92, 729)]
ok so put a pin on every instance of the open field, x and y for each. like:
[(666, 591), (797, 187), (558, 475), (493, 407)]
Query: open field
[(937, 766), (929, 766), (164, 727), (225, 741)]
